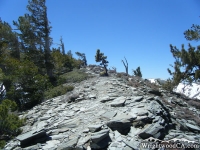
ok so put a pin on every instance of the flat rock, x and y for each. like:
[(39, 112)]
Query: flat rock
[(136, 98), (105, 99), (68, 145), (125, 116), (192, 127), (109, 114), (152, 130), (118, 102), (139, 112), (98, 136), (94, 128), (28, 137)]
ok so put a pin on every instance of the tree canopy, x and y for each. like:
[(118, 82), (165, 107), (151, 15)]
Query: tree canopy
[(187, 62), (99, 57), (137, 72)]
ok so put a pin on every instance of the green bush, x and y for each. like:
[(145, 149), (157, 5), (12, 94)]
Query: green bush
[(57, 91), (2, 143), (74, 76), (9, 122), (103, 73)]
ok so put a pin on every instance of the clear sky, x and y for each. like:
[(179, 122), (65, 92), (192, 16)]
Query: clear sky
[(140, 30)]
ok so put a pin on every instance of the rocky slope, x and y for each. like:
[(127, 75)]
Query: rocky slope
[(106, 113)]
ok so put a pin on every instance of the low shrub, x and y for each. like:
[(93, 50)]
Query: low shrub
[(187, 114), (103, 74), (194, 103), (2, 143), (9, 122), (57, 91), (168, 85), (74, 76)]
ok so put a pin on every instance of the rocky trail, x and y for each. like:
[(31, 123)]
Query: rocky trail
[(104, 113)]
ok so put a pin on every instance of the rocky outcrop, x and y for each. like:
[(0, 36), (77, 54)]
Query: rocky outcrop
[(103, 113)]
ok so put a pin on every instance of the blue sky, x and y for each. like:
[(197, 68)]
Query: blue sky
[(140, 30)]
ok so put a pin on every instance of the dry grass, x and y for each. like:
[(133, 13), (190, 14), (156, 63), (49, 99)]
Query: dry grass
[(194, 103), (183, 112), (187, 114)]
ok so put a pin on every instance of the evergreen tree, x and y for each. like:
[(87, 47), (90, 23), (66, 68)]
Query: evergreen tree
[(99, 57), (10, 123), (187, 62), (59, 61), (35, 31), (193, 33), (8, 41), (82, 57), (137, 72), (62, 46), (31, 44), (69, 53)]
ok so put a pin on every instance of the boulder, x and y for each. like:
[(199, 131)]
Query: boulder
[(152, 130), (31, 137)]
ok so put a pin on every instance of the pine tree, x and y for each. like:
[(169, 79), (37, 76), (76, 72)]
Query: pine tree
[(31, 43), (8, 41), (62, 46), (69, 53), (137, 72), (99, 57), (193, 33), (35, 32), (82, 57), (187, 62)]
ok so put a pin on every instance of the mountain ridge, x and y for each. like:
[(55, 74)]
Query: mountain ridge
[(106, 113)]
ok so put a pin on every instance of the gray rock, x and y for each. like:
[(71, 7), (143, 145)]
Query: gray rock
[(137, 98), (132, 144), (94, 128), (71, 123), (98, 136), (192, 127), (124, 116), (118, 102), (152, 130), (122, 126), (139, 112), (102, 144), (83, 140), (68, 145), (29, 137), (92, 96), (153, 91), (109, 114)]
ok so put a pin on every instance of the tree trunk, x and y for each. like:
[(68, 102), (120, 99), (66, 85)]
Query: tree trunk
[(47, 47)]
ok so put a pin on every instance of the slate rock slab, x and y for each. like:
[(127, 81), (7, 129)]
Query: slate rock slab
[(109, 114), (192, 127), (137, 98), (106, 99), (29, 137), (118, 102), (102, 145), (122, 126), (94, 128), (68, 145), (152, 130), (98, 136)]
